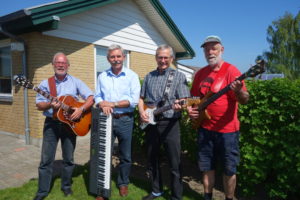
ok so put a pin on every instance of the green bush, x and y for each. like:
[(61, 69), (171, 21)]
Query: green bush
[(269, 142), (270, 127)]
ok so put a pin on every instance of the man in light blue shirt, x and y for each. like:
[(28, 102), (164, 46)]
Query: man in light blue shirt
[(117, 93), (61, 84)]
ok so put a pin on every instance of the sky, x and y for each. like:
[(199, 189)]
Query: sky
[(241, 24)]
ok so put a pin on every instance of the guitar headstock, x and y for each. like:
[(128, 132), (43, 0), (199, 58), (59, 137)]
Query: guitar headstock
[(256, 69), (22, 81)]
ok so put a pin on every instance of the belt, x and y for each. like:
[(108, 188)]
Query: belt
[(52, 119), (119, 115)]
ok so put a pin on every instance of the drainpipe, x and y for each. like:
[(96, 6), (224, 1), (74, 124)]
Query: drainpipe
[(24, 70)]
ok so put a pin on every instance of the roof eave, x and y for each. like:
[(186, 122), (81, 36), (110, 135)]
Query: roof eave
[(61, 9), (45, 17)]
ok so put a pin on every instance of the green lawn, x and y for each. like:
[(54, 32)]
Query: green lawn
[(137, 189)]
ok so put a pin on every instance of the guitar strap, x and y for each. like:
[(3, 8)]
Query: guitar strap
[(53, 92), (52, 86), (168, 85), (220, 77), (165, 93)]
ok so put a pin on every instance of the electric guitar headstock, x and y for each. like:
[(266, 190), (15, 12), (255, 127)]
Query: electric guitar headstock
[(256, 69)]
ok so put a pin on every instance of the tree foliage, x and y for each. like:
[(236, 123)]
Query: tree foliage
[(284, 39)]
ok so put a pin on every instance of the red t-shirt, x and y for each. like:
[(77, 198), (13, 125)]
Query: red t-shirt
[(223, 111)]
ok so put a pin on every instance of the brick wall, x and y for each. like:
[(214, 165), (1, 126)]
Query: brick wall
[(142, 63)]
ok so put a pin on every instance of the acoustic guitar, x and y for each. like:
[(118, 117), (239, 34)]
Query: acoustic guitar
[(79, 127), (211, 97)]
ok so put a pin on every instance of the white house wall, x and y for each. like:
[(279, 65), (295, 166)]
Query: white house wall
[(186, 71), (122, 23)]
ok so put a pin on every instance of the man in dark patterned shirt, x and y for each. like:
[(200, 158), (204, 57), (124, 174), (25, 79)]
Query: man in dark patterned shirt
[(166, 131)]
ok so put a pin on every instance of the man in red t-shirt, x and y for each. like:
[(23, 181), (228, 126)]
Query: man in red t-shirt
[(219, 136)]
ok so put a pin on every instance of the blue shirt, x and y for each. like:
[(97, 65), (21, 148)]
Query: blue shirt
[(69, 86), (113, 88)]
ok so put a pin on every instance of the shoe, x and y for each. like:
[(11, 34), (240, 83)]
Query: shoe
[(68, 192), (101, 198), (123, 190), (39, 197), (150, 197)]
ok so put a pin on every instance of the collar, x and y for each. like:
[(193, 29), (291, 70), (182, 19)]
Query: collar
[(123, 72), (65, 79), (163, 71)]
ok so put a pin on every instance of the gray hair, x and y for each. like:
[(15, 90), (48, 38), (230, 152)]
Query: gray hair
[(114, 47), (57, 54), (163, 47)]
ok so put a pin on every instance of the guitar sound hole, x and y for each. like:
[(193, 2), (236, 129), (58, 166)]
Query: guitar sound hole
[(71, 111), (68, 113)]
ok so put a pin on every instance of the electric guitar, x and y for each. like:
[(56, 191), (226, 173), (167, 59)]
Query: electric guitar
[(79, 127), (154, 111), (211, 97)]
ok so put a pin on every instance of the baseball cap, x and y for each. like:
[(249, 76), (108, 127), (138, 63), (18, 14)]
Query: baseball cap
[(211, 38)]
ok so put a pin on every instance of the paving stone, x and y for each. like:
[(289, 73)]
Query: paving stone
[(19, 162)]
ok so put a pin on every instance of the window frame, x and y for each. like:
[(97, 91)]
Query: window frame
[(127, 57), (7, 97)]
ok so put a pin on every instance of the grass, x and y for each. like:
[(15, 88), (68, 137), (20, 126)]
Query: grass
[(137, 189)]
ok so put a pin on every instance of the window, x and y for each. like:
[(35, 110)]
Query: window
[(101, 61), (5, 71)]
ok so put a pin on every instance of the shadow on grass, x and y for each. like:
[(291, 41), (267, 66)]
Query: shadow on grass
[(139, 186), (139, 183)]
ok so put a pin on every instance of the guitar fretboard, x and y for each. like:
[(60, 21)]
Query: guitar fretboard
[(219, 94), (162, 109), (165, 108), (51, 98)]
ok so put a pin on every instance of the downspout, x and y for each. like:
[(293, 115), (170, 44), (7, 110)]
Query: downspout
[(24, 70)]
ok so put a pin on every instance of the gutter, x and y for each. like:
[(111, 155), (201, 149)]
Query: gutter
[(24, 70)]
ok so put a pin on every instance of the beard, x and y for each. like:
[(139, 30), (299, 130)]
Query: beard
[(214, 60)]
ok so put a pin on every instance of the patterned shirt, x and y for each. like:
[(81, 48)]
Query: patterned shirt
[(153, 90), (69, 86)]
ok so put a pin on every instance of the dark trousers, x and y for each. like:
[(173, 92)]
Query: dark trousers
[(122, 129), (166, 133), (53, 131)]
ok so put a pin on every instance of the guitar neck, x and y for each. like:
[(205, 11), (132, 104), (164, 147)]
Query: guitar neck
[(166, 108), (219, 94), (51, 98), (162, 109)]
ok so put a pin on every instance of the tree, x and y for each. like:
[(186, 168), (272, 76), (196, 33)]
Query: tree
[(284, 39)]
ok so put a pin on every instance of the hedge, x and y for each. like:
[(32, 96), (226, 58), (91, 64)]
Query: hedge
[(269, 141)]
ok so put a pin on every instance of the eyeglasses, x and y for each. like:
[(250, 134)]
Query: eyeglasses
[(162, 57), (60, 63)]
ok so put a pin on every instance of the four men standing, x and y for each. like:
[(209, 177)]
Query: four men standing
[(118, 92)]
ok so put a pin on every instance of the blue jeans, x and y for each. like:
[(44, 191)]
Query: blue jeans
[(53, 131), (122, 129), (214, 146)]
